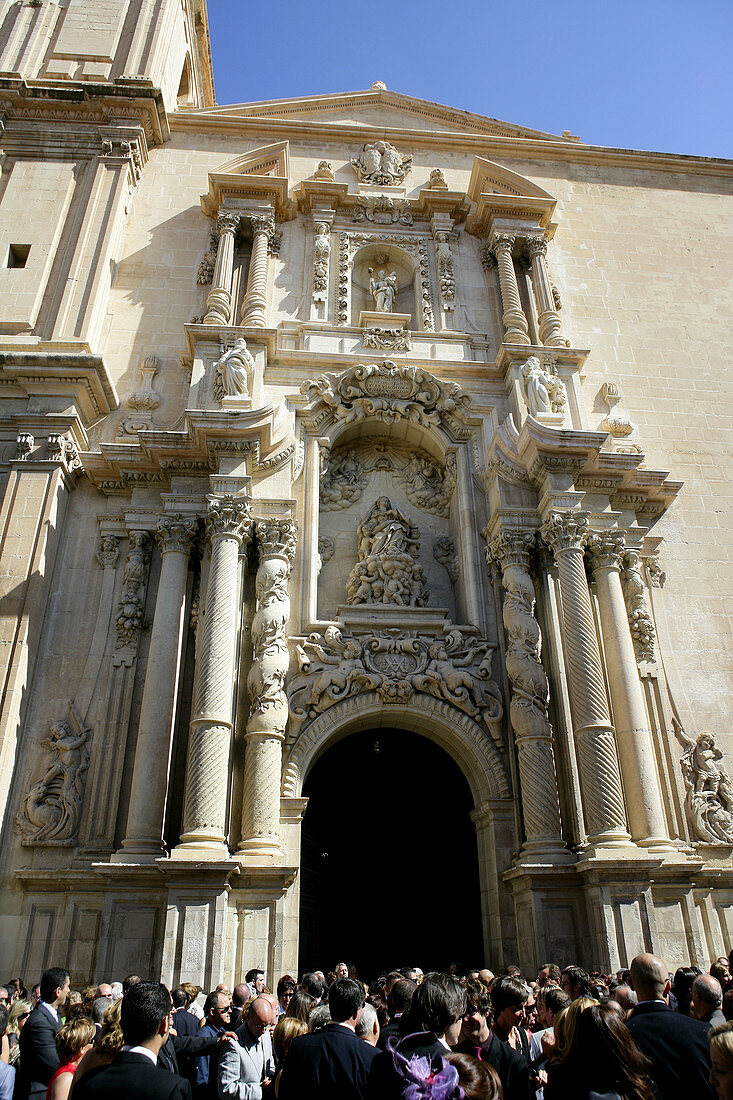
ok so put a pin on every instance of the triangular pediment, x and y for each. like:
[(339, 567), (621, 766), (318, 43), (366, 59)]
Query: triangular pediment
[(267, 160), (379, 107)]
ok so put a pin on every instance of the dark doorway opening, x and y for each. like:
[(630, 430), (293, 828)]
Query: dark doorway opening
[(389, 868)]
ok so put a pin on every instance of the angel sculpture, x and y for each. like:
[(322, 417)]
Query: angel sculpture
[(709, 799), (53, 805)]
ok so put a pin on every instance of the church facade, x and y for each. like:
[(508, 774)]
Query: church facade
[(347, 413)]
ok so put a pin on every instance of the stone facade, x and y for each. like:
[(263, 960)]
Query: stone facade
[(338, 413)]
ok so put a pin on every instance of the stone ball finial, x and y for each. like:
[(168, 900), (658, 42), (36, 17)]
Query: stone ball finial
[(378, 86)]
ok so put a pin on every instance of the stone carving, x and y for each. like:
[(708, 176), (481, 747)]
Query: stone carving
[(383, 290), (324, 171), (389, 392), (427, 485), (234, 371), (343, 481), (398, 665), (277, 539), (387, 339), (655, 573), (617, 422), (24, 444), (109, 551), (387, 570), (326, 550), (50, 813), (382, 210), (130, 613), (59, 448), (428, 319), (543, 390), (144, 397), (446, 276), (444, 552), (437, 181), (205, 272), (640, 621), (321, 253), (709, 798), (380, 163)]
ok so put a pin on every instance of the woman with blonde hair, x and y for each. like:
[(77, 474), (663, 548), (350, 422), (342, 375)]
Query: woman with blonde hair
[(721, 1057), (109, 1042), (72, 1042), (286, 1029)]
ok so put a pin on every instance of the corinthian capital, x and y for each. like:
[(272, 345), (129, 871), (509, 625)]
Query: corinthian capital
[(605, 549), (511, 548), (228, 222), (502, 242), (566, 531), (176, 532), (536, 246), (228, 515), (277, 537), (262, 223)]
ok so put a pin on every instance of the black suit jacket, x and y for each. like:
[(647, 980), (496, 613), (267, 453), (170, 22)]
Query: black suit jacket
[(131, 1075), (678, 1049), (185, 1024), (177, 1049), (511, 1066), (385, 1082), (38, 1058), (332, 1064)]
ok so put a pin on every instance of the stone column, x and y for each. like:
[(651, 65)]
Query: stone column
[(566, 534), (549, 322), (515, 323), (268, 717), (530, 696), (219, 301), (255, 301), (207, 770), (146, 812), (635, 747)]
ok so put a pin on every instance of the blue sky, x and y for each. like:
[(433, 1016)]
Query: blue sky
[(644, 75)]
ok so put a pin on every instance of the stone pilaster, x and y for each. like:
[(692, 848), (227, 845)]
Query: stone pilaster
[(547, 316), (530, 696), (635, 747), (146, 812), (515, 323), (207, 772), (255, 301), (276, 540), (219, 301), (566, 533)]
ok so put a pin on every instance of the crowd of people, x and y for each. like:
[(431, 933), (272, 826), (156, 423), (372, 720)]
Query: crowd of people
[(639, 1034)]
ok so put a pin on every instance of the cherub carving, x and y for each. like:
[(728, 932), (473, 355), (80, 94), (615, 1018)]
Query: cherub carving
[(52, 807), (709, 800)]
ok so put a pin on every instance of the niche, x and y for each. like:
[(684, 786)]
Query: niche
[(389, 258)]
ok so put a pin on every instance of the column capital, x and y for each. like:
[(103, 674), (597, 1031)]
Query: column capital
[(229, 516), (511, 547), (536, 245), (605, 549), (502, 242), (262, 223), (567, 530), (227, 221), (277, 537), (176, 532)]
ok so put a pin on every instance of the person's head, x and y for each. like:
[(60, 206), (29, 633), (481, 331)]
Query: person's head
[(721, 972), (179, 998), (222, 987), (508, 998), (314, 984), (145, 1014), (392, 978), (551, 1000), (478, 1080), (19, 1013), (100, 1006), (17, 990), (400, 997), (218, 1009), (624, 996), (116, 988), (438, 1006), (486, 976), (4, 995), (55, 986), (241, 994), (475, 1024), (319, 1017), (110, 1039), (649, 978), (260, 1016), (74, 1039), (129, 982), (345, 1000), (368, 1026), (608, 1051), (301, 1005), (104, 990), (575, 981), (35, 994), (684, 976), (255, 979), (566, 1025), (548, 974), (285, 989), (4, 1019), (341, 970), (721, 1059), (286, 1029), (706, 996)]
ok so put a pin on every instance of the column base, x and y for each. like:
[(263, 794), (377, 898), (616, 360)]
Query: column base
[(541, 854), (138, 851), (258, 851), (200, 848)]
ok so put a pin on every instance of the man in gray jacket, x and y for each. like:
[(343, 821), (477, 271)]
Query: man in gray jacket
[(248, 1064)]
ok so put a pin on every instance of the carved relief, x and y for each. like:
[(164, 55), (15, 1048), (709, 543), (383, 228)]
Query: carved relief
[(444, 552), (383, 290), (144, 395), (543, 391), (387, 571), (321, 253), (437, 181), (205, 272), (343, 277), (426, 484), (51, 811), (382, 210), (59, 448), (324, 171), (343, 481), (277, 539), (709, 798), (387, 339), (326, 550), (428, 318), (640, 621), (234, 371), (444, 260), (617, 422), (130, 613), (109, 551), (397, 665), (24, 444), (380, 163)]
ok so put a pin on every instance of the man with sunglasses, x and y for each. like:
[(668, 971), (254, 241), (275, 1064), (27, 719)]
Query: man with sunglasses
[(217, 1017)]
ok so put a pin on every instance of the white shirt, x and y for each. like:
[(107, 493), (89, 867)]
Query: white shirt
[(145, 1051), (52, 1010)]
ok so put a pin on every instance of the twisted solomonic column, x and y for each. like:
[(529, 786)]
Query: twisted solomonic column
[(547, 316), (566, 533), (219, 301), (530, 696), (255, 300), (515, 323), (207, 774), (635, 746), (276, 542)]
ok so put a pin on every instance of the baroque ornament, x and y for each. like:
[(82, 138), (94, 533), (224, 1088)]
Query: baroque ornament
[(387, 339), (382, 210), (144, 397), (383, 290), (51, 810), (709, 798), (446, 276), (543, 391), (444, 552), (427, 485), (277, 540), (130, 612), (397, 665), (640, 621), (387, 571), (343, 482), (321, 253), (234, 372), (205, 272), (380, 163)]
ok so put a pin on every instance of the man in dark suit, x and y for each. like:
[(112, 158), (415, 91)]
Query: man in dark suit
[(676, 1045), (331, 1064), (145, 1020), (707, 1001), (480, 1041), (399, 999), (38, 1058)]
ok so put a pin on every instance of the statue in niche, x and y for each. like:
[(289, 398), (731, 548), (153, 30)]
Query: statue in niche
[(543, 391), (51, 810), (709, 799), (233, 371), (380, 163), (387, 571), (383, 290)]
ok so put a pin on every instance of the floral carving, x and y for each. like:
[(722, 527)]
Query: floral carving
[(51, 810), (277, 540), (387, 339), (130, 612), (387, 571), (446, 276), (640, 621), (382, 210), (205, 272), (709, 798), (321, 253), (380, 163), (444, 552), (343, 280), (428, 318)]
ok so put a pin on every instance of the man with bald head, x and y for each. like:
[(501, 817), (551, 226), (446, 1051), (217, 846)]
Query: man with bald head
[(676, 1045), (707, 1001), (245, 1067)]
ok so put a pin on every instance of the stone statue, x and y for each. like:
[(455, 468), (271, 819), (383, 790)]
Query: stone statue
[(383, 290), (380, 163), (543, 391), (233, 371), (709, 799), (52, 808), (387, 570)]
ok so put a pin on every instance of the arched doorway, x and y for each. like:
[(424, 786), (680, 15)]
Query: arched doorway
[(389, 869)]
